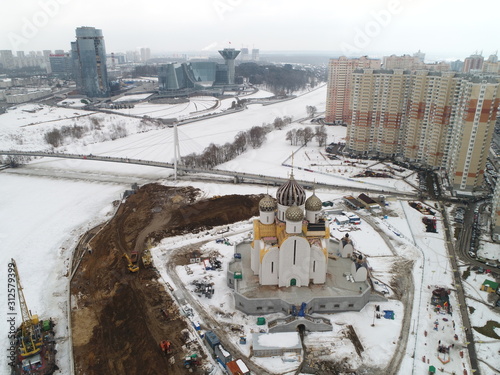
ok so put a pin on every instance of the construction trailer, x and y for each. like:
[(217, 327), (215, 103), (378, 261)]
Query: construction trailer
[(216, 349), (237, 367)]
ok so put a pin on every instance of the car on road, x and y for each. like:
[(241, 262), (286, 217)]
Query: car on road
[(472, 254)]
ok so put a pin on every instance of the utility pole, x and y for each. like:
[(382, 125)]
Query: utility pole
[(177, 154)]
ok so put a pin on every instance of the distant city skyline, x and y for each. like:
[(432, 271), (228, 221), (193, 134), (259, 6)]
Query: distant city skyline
[(443, 30)]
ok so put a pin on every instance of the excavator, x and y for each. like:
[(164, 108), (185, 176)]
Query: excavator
[(131, 266)]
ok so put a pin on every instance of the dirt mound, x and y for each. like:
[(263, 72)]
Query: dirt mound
[(209, 213), (117, 317)]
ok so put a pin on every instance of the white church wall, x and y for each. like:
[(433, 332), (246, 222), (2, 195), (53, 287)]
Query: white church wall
[(267, 217), (312, 216), (317, 270), (269, 267), (293, 227), (295, 258), (281, 212), (346, 250), (360, 274), (255, 256)]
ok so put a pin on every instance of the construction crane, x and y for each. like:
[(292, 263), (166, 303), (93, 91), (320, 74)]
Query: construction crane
[(131, 266), (31, 340)]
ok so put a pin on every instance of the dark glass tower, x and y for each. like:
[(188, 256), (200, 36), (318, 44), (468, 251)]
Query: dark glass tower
[(89, 62)]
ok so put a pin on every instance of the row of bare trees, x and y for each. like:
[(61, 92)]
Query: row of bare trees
[(304, 136), (218, 154)]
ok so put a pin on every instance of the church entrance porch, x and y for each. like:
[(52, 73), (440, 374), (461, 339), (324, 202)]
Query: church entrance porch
[(293, 282)]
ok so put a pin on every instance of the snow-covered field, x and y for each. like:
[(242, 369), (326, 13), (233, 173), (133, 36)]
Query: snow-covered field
[(132, 98), (48, 204), (33, 114), (42, 219), (179, 111)]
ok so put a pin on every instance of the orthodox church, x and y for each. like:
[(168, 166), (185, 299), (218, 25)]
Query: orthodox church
[(289, 246)]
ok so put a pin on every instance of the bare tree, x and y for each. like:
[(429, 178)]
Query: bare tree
[(257, 136), (240, 142), (321, 136), (311, 110), (291, 136), (299, 137), (278, 123), (308, 135)]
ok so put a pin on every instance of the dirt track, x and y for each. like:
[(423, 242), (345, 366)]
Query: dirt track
[(117, 320)]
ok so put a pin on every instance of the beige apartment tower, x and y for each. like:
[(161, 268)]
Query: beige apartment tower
[(339, 86), (473, 129), (428, 122), (378, 107), (495, 214), (430, 119)]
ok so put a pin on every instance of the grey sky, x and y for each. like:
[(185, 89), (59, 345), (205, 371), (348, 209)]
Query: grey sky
[(441, 28)]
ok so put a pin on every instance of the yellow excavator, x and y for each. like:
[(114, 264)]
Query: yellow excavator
[(131, 266)]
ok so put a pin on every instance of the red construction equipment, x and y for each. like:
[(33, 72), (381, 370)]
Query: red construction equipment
[(166, 347)]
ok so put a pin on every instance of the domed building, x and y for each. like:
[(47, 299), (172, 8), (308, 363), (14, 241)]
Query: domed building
[(289, 247)]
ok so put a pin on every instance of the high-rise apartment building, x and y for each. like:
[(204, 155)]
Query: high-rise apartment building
[(132, 56), (492, 65), (89, 62), (7, 59), (432, 119), (255, 54), (61, 65), (403, 62), (428, 117), (476, 111), (377, 105), (244, 56), (495, 213), (20, 59), (457, 65), (419, 55), (473, 62), (145, 54), (339, 86)]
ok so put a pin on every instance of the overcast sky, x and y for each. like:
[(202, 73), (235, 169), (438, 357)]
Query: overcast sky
[(440, 28)]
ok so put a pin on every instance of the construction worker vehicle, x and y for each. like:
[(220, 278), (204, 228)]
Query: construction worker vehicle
[(192, 361), (146, 259), (131, 266), (166, 347)]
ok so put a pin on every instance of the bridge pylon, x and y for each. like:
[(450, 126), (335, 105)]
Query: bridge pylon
[(177, 153)]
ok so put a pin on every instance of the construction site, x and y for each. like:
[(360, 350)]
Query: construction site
[(123, 321)]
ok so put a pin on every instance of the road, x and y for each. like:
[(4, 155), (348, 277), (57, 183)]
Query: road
[(458, 283), (211, 323), (407, 298)]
